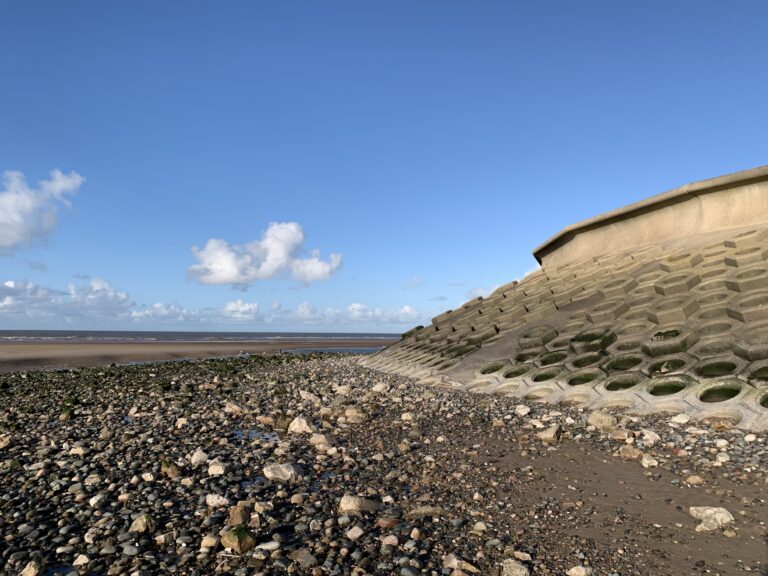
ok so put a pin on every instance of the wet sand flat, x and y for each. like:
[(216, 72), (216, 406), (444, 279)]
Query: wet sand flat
[(16, 356)]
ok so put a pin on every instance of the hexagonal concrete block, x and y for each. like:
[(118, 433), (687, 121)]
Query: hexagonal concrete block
[(746, 256), (607, 311), (667, 365), (537, 336), (592, 339), (749, 280), (752, 344), (680, 262), (723, 366), (751, 308), (669, 341), (673, 311), (676, 284)]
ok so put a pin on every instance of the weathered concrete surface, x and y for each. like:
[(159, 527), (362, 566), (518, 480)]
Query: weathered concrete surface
[(673, 318), (726, 202)]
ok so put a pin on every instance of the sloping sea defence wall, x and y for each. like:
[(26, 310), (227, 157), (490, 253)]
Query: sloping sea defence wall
[(661, 306)]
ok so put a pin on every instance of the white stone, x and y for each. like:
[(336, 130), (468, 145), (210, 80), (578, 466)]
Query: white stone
[(97, 501), (522, 410), (199, 457), (355, 533), (602, 421), (216, 501), (81, 560), (511, 567), (453, 562), (299, 425), (216, 468), (649, 462), (711, 518), (681, 419), (356, 505), (283, 472), (579, 571), (649, 437)]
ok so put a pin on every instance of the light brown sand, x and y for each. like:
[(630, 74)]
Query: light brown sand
[(40, 355)]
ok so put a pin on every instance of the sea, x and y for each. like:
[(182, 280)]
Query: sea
[(288, 338)]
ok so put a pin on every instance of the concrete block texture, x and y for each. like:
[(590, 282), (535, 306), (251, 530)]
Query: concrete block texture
[(673, 318)]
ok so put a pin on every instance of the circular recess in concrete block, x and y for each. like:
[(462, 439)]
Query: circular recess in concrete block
[(714, 298), (559, 343), (667, 365), (764, 400), (492, 368), (585, 377), (507, 388), (759, 373), (713, 313), (592, 340), (574, 399), (552, 358), (713, 274), (587, 359), (634, 315), (619, 382), (528, 355), (539, 393), (634, 328), (518, 370), (627, 345), (715, 368), (670, 340), (667, 386), (623, 363), (712, 347), (721, 392), (484, 386), (544, 374), (537, 336), (715, 328)]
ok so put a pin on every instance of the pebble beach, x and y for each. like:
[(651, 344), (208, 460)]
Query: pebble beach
[(312, 464)]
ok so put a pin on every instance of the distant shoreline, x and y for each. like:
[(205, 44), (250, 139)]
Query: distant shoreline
[(35, 355)]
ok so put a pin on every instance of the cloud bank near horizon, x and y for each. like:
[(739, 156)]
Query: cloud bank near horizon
[(95, 302)]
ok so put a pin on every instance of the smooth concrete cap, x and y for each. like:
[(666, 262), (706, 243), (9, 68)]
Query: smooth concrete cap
[(721, 215)]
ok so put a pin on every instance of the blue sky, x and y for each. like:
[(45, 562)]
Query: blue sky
[(347, 166)]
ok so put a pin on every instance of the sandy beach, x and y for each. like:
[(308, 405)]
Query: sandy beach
[(15, 356)]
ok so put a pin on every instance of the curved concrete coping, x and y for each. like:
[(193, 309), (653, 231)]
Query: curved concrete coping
[(730, 201)]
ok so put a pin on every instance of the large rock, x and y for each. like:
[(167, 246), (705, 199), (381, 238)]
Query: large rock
[(511, 567), (356, 505), (239, 540), (602, 421), (711, 518), (300, 425), (453, 562), (283, 472), (142, 523)]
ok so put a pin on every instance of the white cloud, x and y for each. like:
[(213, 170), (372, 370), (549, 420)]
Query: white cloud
[(97, 303), (28, 215), (276, 254), (97, 299), (358, 314), (239, 310)]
